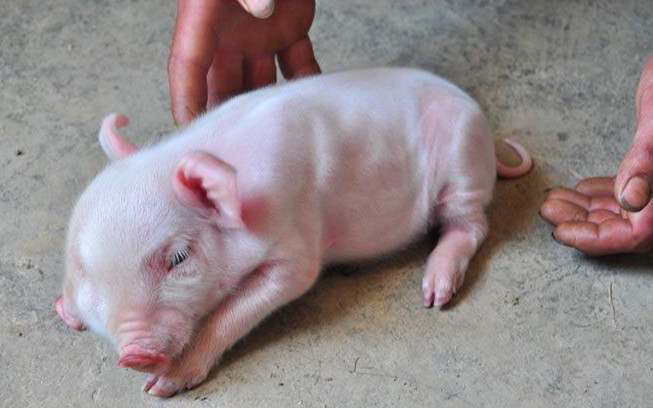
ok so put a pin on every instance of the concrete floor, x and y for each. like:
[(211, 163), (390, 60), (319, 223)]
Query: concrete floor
[(535, 325)]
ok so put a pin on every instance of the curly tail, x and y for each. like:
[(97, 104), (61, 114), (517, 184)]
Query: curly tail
[(517, 171)]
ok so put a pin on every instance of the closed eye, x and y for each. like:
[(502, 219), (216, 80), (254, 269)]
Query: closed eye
[(179, 257)]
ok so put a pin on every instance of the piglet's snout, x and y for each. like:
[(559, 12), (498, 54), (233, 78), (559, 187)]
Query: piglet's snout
[(139, 349), (141, 359)]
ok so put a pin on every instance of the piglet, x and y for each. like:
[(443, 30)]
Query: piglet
[(177, 250)]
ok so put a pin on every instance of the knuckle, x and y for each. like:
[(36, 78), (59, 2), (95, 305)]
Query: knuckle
[(579, 214)]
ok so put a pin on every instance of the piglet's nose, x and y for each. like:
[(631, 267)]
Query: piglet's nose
[(142, 361)]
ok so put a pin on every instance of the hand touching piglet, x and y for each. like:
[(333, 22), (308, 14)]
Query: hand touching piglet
[(220, 50)]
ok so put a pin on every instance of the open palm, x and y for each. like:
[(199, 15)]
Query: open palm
[(590, 219)]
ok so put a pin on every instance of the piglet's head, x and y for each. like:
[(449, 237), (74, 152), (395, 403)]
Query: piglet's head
[(147, 255)]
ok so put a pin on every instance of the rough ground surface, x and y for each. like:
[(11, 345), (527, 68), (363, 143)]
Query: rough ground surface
[(535, 325)]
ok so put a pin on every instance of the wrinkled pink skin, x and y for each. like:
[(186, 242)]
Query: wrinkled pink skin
[(261, 193)]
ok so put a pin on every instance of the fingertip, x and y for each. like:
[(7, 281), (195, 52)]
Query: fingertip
[(191, 55), (636, 194), (183, 114), (596, 186), (299, 60), (556, 238), (188, 94), (559, 211), (547, 210)]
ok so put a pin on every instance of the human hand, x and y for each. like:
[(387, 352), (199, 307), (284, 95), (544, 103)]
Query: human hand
[(220, 50), (606, 215)]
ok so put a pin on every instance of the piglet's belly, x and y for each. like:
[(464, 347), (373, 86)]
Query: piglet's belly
[(376, 198), (372, 228), (363, 244)]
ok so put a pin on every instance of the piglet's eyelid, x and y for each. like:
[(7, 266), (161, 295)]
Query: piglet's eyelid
[(179, 256)]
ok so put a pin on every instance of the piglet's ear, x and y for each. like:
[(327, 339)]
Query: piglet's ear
[(203, 181), (114, 144)]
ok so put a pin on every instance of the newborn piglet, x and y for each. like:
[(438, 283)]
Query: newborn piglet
[(236, 215)]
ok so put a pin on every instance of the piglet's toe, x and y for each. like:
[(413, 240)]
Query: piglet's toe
[(151, 380), (437, 292), (428, 298), (164, 388), (442, 297)]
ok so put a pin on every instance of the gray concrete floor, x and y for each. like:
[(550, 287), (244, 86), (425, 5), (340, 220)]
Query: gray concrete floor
[(534, 326)]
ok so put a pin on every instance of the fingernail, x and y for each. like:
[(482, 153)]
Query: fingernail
[(635, 195), (261, 13), (267, 12)]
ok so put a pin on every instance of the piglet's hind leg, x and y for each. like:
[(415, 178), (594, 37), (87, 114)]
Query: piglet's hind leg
[(445, 270)]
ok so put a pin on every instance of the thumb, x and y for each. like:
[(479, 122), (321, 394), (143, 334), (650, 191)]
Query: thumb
[(635, 176), (258, 8)]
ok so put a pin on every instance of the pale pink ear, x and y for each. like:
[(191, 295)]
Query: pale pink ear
[(203, 181), (114, 144)]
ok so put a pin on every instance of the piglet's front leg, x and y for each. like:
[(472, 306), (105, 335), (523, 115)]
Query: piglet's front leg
[(268, 288)]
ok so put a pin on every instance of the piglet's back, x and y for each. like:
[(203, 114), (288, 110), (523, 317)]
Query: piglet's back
[(330, 127)]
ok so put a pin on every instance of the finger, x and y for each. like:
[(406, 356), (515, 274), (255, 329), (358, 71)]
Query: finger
[(581, 200), (635, 176), (599, 216), (225, 78), (190, 58), (612, 236), (605, 203), (258, 8), (571, 196), (633, 182), (259, 71), (596, 187), (298, 60), (560, 211)]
